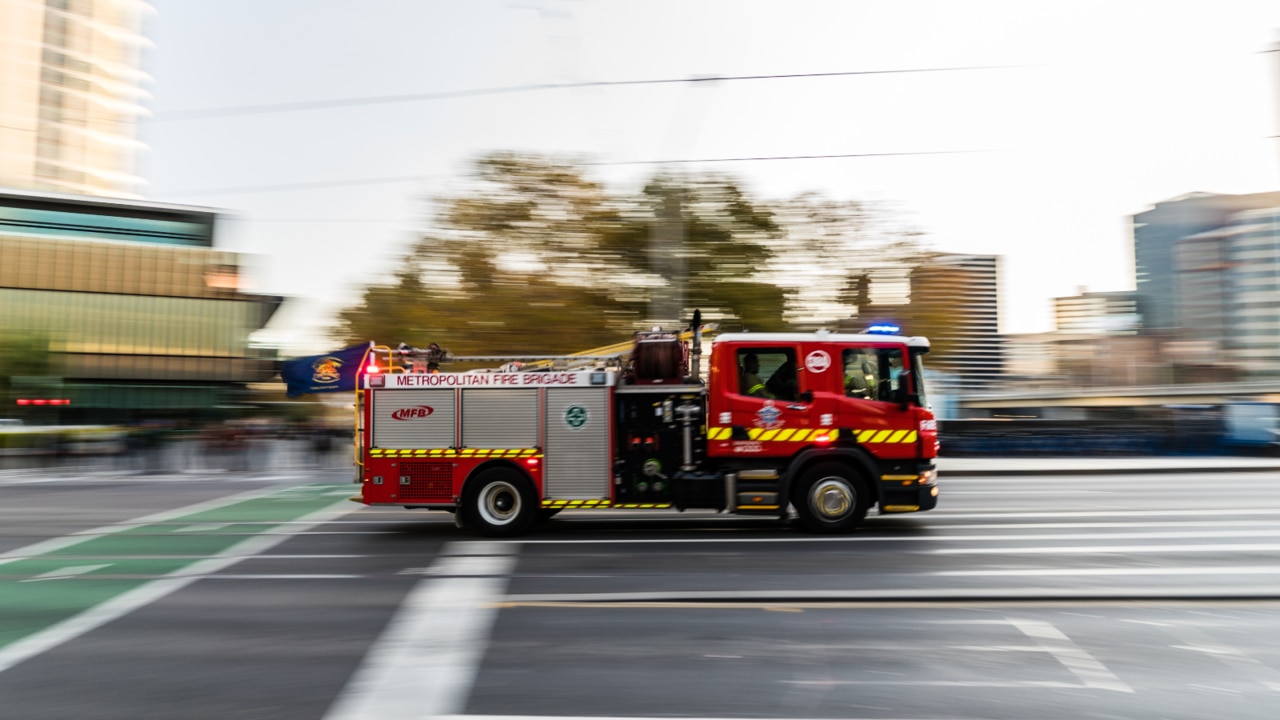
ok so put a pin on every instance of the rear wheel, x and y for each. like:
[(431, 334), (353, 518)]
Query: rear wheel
[(499, 502), (831, 498)]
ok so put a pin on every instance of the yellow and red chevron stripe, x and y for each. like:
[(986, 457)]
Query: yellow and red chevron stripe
[(885, 436), (601, 504), (456, 452), (779, 435), (802, 435)]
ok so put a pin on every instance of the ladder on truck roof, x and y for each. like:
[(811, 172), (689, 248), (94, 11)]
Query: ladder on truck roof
[(405, 358)]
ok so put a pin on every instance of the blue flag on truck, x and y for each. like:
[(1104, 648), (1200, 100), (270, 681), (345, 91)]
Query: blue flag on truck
[(331, 372)]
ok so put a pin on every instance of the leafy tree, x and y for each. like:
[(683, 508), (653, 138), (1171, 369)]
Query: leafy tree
[(836, 257), (530, 256)]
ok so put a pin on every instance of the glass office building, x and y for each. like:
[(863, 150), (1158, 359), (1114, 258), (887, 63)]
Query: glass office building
[(139, 314)]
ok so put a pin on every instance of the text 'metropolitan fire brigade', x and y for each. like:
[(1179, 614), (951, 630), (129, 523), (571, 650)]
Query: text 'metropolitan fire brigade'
[(825, 425)]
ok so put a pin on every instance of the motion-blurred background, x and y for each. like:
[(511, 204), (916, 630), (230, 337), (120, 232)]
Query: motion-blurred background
[(1076, 202)]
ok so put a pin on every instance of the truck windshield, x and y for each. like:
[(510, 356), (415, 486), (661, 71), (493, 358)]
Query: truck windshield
[(917, 377)]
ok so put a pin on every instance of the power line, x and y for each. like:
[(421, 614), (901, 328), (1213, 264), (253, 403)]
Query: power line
[(536, 87)]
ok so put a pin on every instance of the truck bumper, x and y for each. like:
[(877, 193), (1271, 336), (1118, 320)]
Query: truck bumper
[(909, 493)]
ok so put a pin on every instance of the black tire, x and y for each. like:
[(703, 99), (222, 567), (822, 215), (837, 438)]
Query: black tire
[(499, 502), (831, 498)]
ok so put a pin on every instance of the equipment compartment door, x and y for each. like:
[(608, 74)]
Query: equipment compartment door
[(414, 419), (499, 418), (577, 457)]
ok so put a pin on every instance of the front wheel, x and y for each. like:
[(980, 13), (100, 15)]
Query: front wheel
[(831, 498), (499, 502)]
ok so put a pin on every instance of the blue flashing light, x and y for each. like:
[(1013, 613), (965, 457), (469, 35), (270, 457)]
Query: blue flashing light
[(883, 329)]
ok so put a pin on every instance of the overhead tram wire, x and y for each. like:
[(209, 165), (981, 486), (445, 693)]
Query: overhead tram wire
[(207, 113)]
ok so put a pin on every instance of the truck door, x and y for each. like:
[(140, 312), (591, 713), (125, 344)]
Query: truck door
[(868, 405), (766, 409)]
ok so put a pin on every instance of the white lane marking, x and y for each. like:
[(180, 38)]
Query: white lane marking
[(1072, 656), (933, 683), (1103, 525), (1241, 665), (480, 547), (66, 572), (207, 527), (1025, 493), (1226, 570), (281, 577), (1107, 549), (898, 538), (1203, 512), (424, 664), (474, 566), (58, 543), (125, 603)]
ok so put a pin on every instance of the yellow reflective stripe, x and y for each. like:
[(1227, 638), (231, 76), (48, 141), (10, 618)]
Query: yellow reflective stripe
[(881, 436), (768, 434), (911, 437), (784, 435), (576, 504), (752, 390), (897, 436), (755, 433)]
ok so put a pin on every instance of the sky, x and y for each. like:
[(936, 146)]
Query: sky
[(1028, 130)]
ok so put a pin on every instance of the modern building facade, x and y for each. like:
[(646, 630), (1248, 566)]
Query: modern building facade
[(1156, 233), (1097, 313), (958, 298), (140, 315), (1251, 292), (70, 95)]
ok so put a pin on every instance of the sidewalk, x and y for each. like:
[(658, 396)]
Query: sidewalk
[(971, 467)]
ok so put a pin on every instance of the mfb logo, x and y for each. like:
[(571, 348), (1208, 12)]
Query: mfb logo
[(411, 413)]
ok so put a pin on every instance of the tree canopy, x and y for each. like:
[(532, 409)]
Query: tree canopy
[(530, 255)]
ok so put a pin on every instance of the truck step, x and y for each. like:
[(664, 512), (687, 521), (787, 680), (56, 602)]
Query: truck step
[(756, 492)]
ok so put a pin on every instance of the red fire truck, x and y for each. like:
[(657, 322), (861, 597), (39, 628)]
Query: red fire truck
[(828, 424)]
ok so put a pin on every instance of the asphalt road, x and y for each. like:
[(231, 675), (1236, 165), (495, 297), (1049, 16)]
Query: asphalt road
[(270, 596)]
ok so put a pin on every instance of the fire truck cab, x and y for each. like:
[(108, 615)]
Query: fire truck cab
[(825, 425)]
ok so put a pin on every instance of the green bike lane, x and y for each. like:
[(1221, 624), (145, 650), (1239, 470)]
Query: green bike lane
[(59, 589)]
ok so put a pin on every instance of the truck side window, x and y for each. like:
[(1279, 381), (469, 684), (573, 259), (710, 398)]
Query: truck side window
[(776, 364), (872, 373)]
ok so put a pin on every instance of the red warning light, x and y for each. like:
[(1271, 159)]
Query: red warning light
[(43, 401), (373, 369)]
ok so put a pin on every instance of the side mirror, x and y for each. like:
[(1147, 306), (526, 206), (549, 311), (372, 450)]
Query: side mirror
[(902, 393)]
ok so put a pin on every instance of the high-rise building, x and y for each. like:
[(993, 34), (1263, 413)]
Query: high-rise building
[(956, 297), (1156, 233), (1097, 313), (1248, 296), (70, 95)]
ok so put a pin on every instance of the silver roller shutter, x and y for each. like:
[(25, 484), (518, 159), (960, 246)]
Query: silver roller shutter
[(577, 463), (505, 418), (414, 419)]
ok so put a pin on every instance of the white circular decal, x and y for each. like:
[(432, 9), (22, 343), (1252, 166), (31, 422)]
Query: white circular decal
[(818, 361)]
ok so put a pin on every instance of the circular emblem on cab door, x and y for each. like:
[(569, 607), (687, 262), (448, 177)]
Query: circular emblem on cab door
[(817, 361)]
